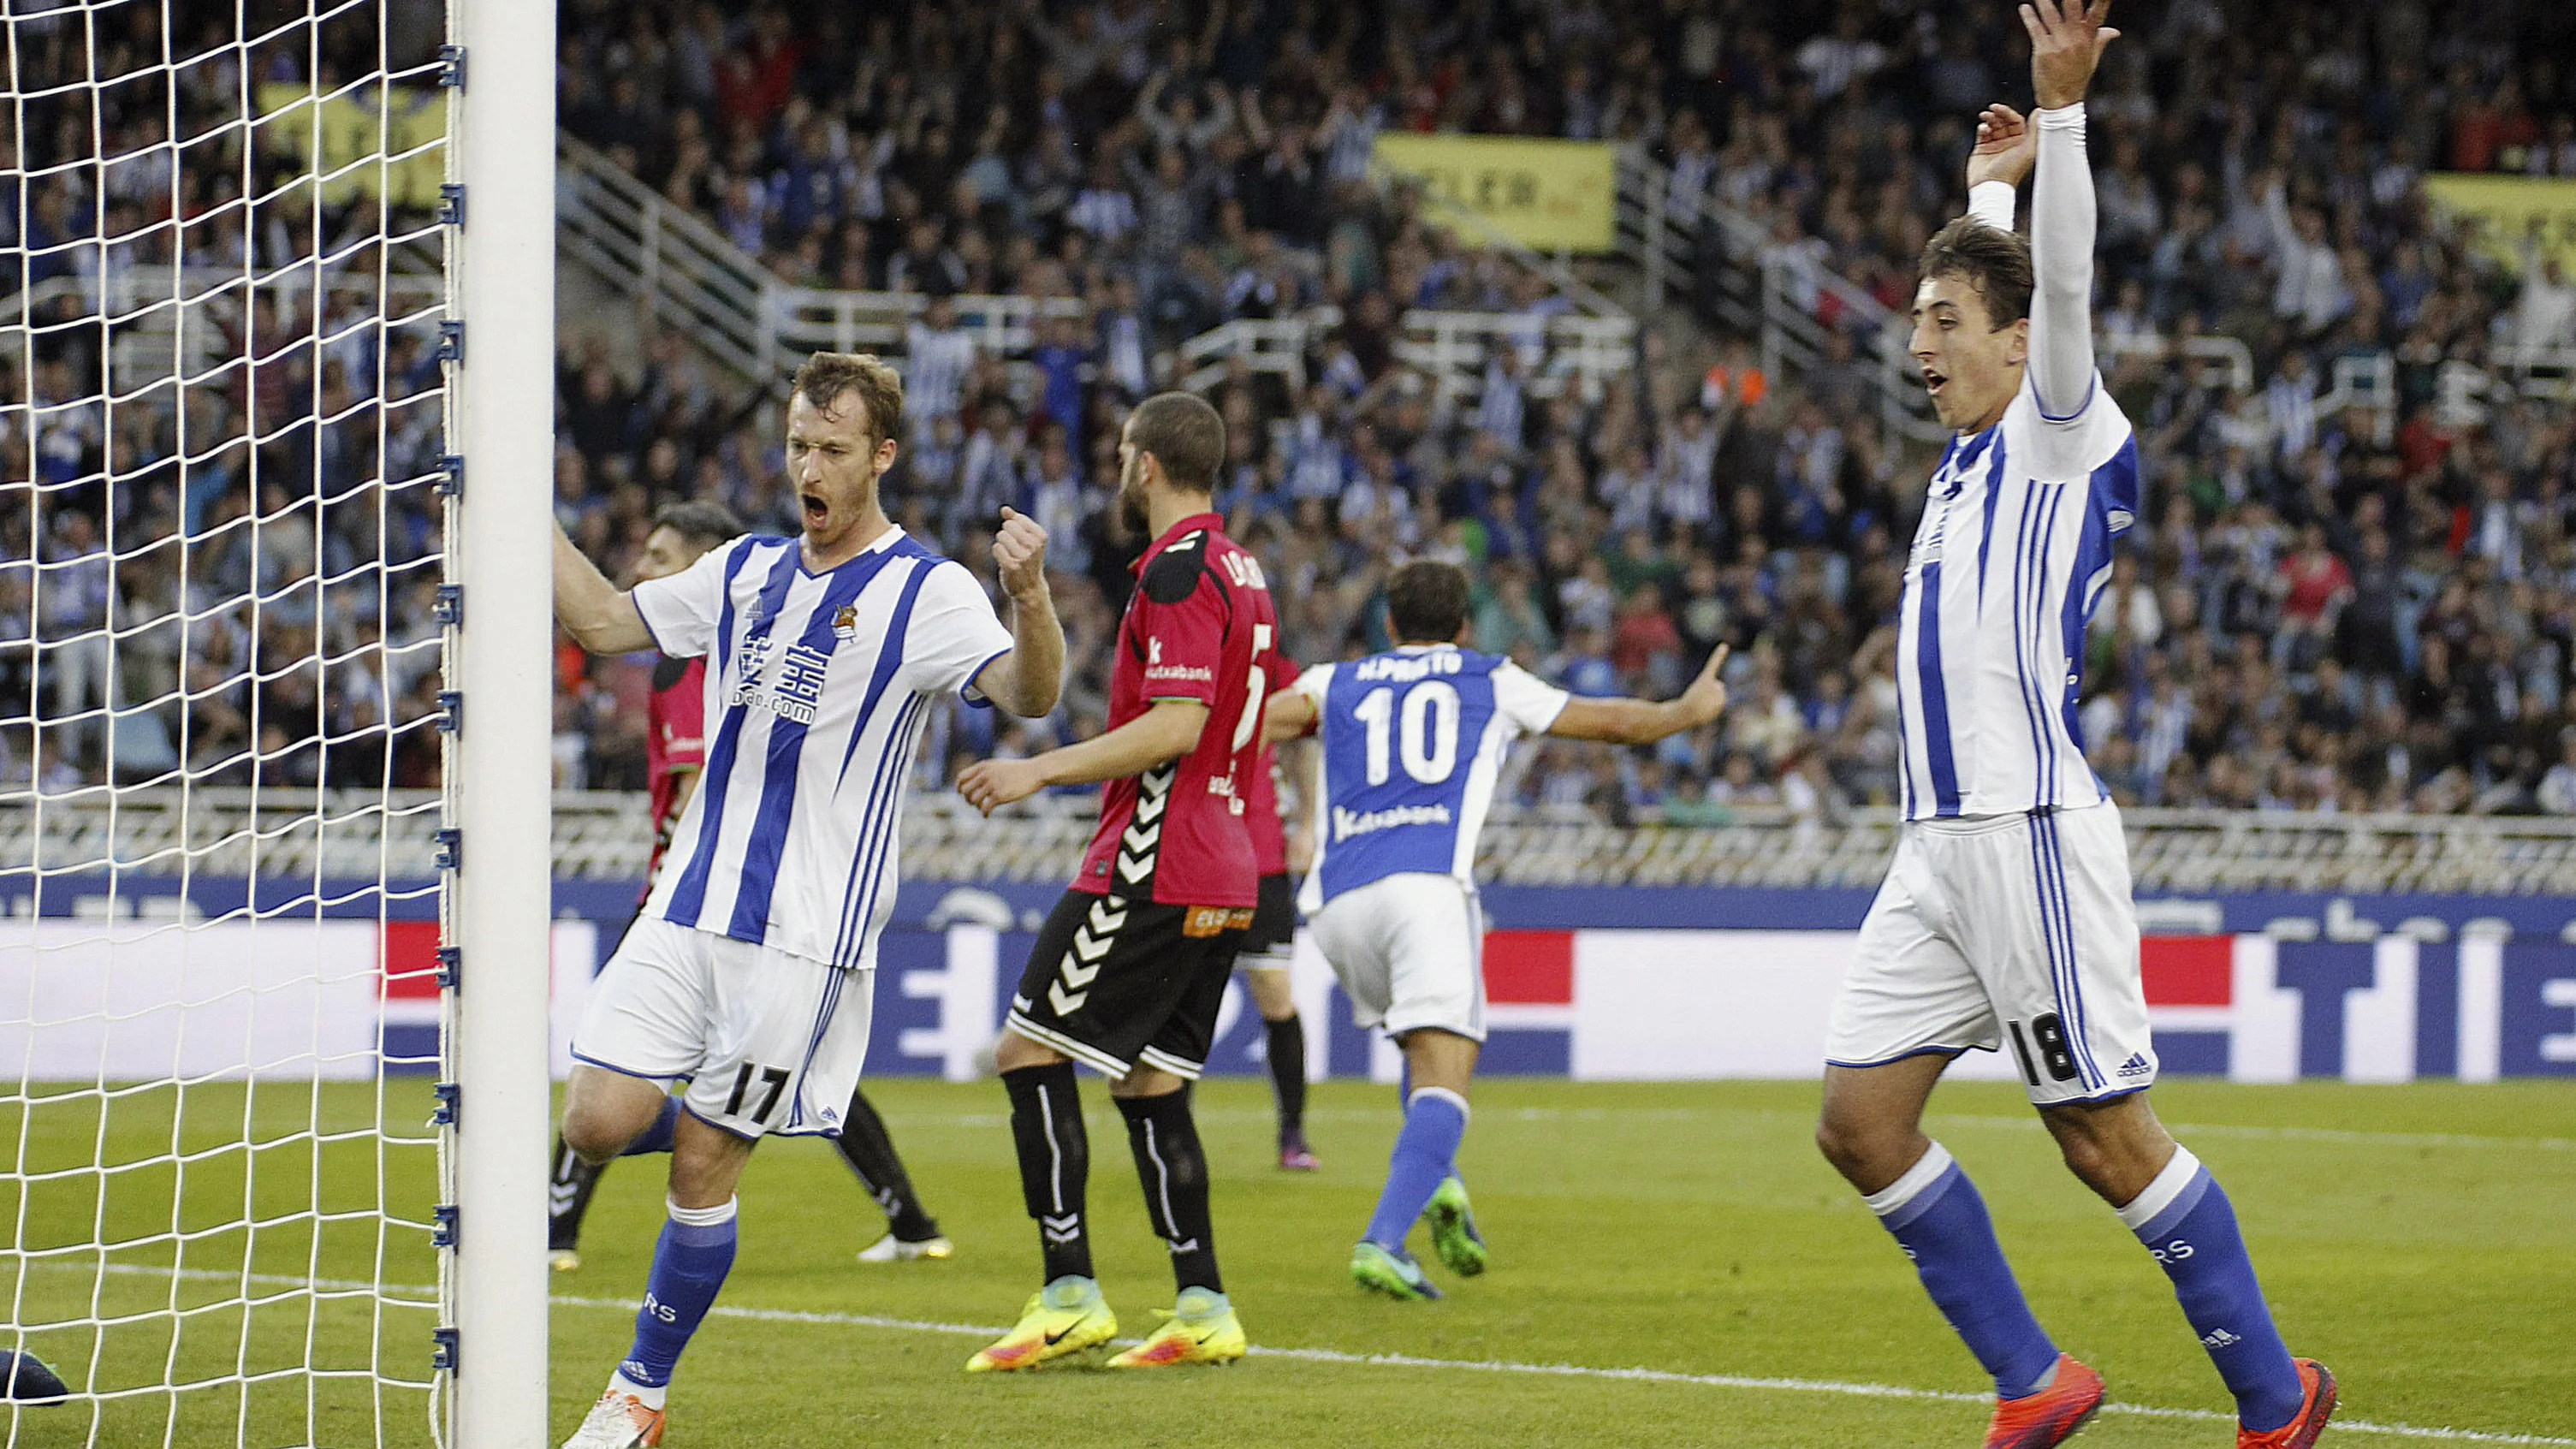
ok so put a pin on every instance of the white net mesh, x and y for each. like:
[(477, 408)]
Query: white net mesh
[(221, 766)]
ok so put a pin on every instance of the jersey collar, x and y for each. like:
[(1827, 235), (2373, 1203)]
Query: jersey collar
[(886, 540), (1211, 522)]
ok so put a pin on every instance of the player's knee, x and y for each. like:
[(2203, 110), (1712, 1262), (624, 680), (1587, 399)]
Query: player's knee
[(705, 1167), (1853, 1147), (1014, 1051), (596, 1136)]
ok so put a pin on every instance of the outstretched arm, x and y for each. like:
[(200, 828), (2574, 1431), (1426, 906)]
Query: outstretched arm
[(1167, 730), (2066, 44), (1642, 722)]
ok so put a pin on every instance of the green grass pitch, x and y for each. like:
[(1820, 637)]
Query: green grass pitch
[(2418, 1239)]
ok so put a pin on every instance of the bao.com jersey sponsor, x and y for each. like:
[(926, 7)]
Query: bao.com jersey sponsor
[(1412, 743), (817, 688)]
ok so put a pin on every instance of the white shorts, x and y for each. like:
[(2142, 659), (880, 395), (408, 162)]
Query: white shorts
[(2007, 932), (1410, 951), (768, 1042)]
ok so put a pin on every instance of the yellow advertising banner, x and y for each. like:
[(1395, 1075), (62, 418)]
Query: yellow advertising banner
[(364, 141), (1546, 195), (2505, 208)]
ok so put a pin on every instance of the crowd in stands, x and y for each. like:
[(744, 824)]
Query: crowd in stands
[(2324, 610)]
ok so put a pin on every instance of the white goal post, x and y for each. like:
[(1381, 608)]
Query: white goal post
[(276, 380), (500, 774)]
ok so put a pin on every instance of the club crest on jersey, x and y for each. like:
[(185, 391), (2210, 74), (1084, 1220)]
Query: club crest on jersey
[(845, 624)]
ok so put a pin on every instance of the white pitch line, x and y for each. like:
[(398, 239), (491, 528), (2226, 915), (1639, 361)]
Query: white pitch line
[(1383, 1360), (1583, 1371)]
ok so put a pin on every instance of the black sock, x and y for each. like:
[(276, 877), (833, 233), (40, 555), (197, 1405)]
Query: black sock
[(1173, 1169), (870, 1152), (1055, 1162), (568, 1190), (1288, 1076)]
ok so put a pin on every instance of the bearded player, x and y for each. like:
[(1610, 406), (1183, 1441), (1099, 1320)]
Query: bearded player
[(749, 974), (675, 751), (2005, 921), (1128, 972)]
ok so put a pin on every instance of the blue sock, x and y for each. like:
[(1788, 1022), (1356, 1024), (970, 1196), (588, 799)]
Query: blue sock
[(657, 1138), (1426, 1151), (1938, 1218), (2188, 1223), (689, 1266)]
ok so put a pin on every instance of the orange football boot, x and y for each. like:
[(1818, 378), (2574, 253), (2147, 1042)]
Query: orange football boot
[(2051, 1416), (2308, 1423)]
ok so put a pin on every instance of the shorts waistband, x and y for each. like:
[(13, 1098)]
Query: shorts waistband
[(1980, 824)]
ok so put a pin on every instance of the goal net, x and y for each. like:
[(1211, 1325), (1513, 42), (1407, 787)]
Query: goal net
[(224, 688)]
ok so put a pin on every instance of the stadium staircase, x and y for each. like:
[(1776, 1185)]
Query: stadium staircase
[(679, 272)]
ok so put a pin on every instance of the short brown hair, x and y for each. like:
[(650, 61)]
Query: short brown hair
[(699, 520), (1184, 434), (827, 375), (1426, 602), (1995, 264)]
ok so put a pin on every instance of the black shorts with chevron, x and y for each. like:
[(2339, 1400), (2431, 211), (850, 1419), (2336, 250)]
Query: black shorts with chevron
[(1117, 982)]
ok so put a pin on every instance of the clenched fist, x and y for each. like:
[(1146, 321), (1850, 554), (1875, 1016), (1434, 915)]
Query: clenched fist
[(1019, 551)]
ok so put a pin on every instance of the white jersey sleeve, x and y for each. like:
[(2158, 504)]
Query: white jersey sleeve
[(1315, 684), (2061, 384), (1529, 702), (953, 634), (681, 611)]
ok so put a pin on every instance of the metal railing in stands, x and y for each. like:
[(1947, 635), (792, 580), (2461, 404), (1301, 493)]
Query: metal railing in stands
[(1779, 294), (685, 273), (1450, 348), (188, 323), (607, 835)]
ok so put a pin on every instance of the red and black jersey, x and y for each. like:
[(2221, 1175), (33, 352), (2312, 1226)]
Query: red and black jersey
[(1200, 626), (674, 744)]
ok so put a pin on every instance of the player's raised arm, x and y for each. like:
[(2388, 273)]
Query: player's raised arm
[(600, 616), (2066, 43), (1642, 722), (1026, 680)]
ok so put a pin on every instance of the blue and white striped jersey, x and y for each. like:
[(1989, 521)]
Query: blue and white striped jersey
[(1412, 743), (2013, 549), (817, 689)]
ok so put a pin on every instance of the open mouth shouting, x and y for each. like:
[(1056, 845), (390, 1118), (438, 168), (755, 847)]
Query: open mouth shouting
[(1934, 381), (817, 511)]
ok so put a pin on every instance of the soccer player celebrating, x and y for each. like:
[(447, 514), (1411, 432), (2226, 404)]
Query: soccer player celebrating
[(2006, 916), (1128, 972), (1269, 949), (1413, 741), (748, 975), (675, 751)]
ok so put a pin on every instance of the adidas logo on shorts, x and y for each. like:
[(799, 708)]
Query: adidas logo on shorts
[(2136, 1066)]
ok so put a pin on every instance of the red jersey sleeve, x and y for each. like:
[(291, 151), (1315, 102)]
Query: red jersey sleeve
[(1178, 626)]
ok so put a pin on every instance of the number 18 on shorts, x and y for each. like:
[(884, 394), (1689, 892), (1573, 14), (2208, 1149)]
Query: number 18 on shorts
[(2012, 933)]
